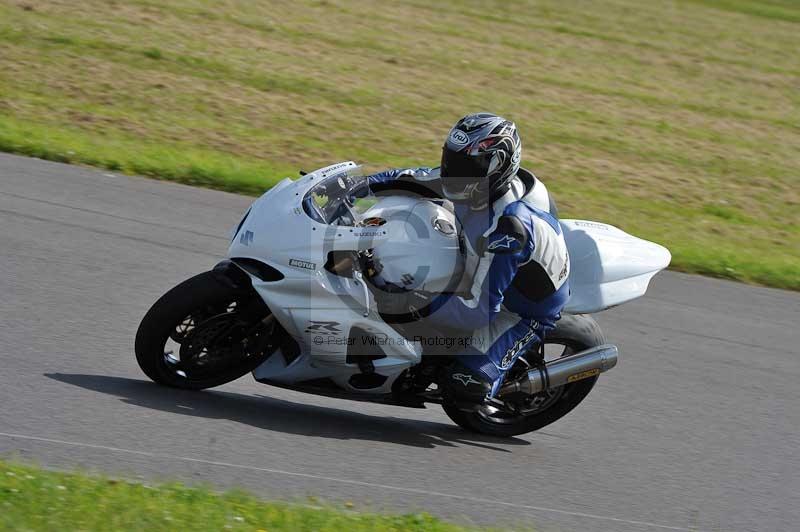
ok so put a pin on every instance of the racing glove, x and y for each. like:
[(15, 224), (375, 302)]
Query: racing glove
[(398, 305)]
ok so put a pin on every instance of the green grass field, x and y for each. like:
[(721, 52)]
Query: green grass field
[(35, 499), (678, 121)]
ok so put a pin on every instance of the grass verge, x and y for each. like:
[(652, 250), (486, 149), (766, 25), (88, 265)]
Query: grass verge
[(35, 499), (675, 120)]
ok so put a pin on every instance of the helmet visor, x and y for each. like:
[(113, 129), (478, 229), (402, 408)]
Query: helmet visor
[(460, 172)]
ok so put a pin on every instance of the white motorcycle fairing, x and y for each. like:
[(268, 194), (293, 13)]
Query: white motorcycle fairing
[(609, 266), (297, 230)]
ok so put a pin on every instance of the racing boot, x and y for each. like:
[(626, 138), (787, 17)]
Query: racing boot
[(465, 387)]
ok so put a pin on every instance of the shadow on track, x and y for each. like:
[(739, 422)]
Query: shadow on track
[(284, 416)]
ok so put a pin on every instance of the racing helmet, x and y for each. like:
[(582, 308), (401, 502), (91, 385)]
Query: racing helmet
[(480, 157)]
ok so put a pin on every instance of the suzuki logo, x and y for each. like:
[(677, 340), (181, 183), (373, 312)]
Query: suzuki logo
[(247, 238)]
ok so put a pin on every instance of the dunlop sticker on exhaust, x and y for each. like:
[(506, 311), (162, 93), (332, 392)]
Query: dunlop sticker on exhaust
[(583, 375)]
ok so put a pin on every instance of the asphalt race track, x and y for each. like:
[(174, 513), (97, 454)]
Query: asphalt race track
[(698, 428)]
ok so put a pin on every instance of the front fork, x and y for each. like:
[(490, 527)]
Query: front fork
[(253, 312)]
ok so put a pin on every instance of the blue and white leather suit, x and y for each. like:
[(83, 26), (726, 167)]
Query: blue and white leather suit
[(517, 266)]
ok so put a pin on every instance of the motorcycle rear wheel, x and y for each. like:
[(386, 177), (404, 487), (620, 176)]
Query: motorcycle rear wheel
[(220, 333), (573, 332)]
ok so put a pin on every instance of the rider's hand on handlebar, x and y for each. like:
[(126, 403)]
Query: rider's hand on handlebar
[(396, 301)]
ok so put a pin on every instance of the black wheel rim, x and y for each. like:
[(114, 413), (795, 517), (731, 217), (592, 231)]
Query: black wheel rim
[(505, 413), (213, 340)]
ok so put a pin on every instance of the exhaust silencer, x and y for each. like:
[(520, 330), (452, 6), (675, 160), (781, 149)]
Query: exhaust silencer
[(572, 368)]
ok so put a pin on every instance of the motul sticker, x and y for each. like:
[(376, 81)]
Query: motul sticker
[(302, 264)]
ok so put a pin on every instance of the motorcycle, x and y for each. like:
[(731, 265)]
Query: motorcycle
[(294, 303)]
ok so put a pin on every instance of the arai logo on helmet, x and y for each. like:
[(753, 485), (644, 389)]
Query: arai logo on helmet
[(458, 138)]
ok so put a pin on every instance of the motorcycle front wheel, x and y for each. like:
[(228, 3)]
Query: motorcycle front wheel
[(572, 334), (204, 333)]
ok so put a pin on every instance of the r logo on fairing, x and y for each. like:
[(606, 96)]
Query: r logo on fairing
[(324, 327)]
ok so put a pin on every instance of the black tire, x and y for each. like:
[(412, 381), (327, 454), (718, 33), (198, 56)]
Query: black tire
[(576, 333), (203, 291)]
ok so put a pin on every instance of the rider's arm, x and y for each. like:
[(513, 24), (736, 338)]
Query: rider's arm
[(422, 181), (504, 250)]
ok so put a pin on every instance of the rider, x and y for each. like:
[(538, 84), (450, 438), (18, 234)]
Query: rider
[(516, 257)]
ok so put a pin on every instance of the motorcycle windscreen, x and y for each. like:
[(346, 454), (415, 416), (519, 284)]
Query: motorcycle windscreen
[(341, 191)]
